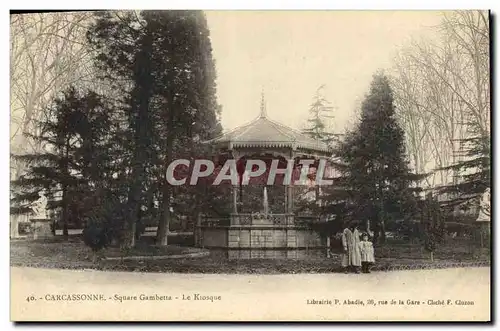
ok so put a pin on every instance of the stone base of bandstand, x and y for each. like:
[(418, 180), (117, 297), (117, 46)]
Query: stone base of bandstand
[(40, 229), (254, 236)]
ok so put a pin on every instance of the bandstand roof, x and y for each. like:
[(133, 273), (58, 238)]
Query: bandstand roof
[(264, 132)]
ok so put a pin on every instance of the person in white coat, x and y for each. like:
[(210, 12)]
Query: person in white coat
[(351, 257)]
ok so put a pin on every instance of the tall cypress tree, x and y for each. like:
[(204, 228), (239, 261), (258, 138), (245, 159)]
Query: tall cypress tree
[(185, 93), (161, 61), (376, 183), (124, 46)]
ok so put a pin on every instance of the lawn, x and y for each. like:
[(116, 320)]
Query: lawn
[(74, 255), (454, 250), (65, 255)]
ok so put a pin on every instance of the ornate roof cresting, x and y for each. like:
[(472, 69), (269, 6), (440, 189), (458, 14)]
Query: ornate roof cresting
[(263, 110), (264, 132)]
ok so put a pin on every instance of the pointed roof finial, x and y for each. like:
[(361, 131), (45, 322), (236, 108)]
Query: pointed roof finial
[(263, 111)]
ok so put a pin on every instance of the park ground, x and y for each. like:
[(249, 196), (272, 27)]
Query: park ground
[(181, 259), (410, 295)]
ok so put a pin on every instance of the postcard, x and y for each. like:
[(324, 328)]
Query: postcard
[(292, 166)]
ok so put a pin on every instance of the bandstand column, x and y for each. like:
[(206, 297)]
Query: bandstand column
[(286, 198), (289, 199), (289, 188), (235, 188), (235, 199)]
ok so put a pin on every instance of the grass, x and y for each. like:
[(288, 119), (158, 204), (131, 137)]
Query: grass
[(452, 250), (187, 240), (65, 255), (146, 250), (213, 265), (74, 255)]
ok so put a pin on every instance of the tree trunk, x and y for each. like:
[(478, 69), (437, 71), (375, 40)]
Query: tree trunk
[(141, 125), (376, 232), (328, 244), (382, 231), (65, 230), (164, 222), (64, 214), (432, 256), (139, 226), (197, 231), (133, 206), (65, 203), (164, 225), (14, 226), (129, 227), (133, 203)]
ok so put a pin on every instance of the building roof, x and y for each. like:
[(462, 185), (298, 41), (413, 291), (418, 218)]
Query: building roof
[(264, 132)]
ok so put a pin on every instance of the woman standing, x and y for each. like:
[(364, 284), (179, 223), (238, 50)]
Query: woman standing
[(351, 258)]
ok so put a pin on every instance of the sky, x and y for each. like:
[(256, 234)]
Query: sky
[(289, 54)]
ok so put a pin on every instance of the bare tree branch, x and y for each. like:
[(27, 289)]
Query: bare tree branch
[(441, 86)]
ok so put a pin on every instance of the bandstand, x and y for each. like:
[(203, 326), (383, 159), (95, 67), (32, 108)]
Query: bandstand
[(264, 233)]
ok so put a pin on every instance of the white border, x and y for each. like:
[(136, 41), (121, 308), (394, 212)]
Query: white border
[(192, 4), (262, 4)]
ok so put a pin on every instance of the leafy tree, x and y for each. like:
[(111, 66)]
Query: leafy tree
[(161, 61), (124, 46), (104, 217), (473, 171), (375, 182), (185, 91), (72, 163), (317, 127), (434, 225), (320, 111)]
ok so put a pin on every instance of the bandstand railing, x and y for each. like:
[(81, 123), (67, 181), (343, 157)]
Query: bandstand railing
[(258, 219)]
